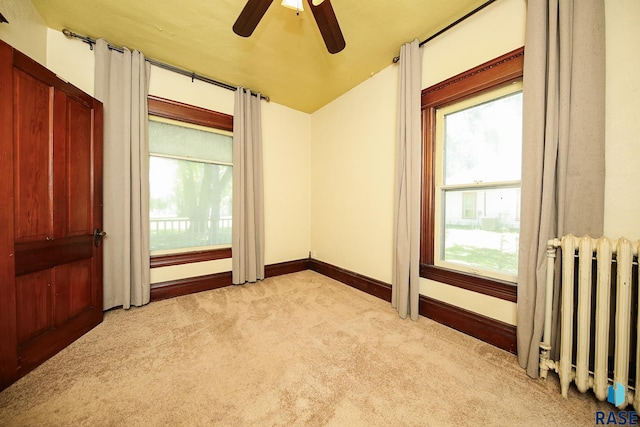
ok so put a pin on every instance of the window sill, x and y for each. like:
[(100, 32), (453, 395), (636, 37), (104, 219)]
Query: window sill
[(189, 257), (495, 288)]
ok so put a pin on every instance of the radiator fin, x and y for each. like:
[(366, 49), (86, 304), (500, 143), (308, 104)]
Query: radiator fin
[(600, 380)]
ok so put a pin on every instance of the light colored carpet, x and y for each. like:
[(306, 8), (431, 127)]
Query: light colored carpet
[(293, 350)]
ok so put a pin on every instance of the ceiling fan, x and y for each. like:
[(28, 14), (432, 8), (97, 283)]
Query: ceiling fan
[(322, 11)]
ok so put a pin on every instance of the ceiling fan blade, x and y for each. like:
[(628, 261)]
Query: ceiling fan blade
[(250, 16), (328, 25)]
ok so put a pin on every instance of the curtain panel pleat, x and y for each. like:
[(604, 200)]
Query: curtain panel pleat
[(248, 190), (563, 148), (122, 84), (406, 255)]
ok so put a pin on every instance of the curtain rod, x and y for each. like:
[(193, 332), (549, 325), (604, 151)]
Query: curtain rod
[(453, 24), (163, 65)]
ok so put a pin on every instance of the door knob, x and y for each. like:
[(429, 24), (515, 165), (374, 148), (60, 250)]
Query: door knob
[(97, 236)]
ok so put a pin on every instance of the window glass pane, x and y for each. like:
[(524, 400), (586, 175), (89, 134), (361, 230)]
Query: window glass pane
[(189, 142), (190, 203), (488, 239), (483, 143)]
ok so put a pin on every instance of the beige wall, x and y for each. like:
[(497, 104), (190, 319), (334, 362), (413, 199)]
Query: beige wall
[(353, 152), (26, 30), (353, 155), (286, 151), (70, 59), (622, 195), (492, 32)]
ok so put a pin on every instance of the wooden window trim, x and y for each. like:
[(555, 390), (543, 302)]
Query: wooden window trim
[(175, 110), (491, 75), (189, 257)]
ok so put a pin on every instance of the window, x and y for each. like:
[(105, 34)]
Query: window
[(472, 143), (190, 183), (478, 158)]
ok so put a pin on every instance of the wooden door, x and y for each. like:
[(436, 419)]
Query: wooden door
[(50, 207)]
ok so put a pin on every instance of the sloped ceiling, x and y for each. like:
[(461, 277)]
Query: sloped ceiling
[(285, 58)]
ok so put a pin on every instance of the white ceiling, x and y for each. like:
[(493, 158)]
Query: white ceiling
[(285, 58)]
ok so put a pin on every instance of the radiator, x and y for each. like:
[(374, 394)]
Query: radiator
[(599, 333)]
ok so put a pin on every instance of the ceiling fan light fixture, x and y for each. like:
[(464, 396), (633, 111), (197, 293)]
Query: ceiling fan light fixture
[(322, 11), (293, 4)]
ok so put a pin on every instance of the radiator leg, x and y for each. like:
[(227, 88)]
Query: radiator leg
[(546, 363), (545, 345)]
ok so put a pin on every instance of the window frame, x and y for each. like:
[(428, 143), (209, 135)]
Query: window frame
[(169, 109), (501, 71), (442, 189)]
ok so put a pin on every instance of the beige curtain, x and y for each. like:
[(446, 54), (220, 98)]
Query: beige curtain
[(406, 255), (122, 84), (248, 200), (563, 146)]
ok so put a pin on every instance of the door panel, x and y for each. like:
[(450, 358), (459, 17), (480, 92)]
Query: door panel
[(33, 216), (50, 203), (72, 290), (79, 169), (59, 161), (34, 305)]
